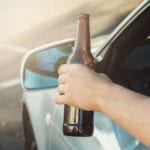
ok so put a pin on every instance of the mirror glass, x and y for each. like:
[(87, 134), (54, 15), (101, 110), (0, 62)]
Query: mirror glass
[(41, 67)]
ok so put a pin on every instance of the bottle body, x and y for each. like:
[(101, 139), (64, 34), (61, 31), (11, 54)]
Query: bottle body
[(79, 122)]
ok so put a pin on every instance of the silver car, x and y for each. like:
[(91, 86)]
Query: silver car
[(122, 55)]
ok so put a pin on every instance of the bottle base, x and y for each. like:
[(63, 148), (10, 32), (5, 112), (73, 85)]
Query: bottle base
[(77, 130)]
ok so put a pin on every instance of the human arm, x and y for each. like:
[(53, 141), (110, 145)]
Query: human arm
[(86, 89)]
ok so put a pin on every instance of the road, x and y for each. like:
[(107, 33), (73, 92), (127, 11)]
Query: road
[(29, 23)]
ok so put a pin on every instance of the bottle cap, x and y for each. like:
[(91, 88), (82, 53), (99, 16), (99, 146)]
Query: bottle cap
[(84, 16)]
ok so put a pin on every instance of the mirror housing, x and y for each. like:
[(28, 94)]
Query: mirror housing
[(39, 69), (36, 73)]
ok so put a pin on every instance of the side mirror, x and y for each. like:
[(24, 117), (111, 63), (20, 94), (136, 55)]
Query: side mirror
[(40, 66)]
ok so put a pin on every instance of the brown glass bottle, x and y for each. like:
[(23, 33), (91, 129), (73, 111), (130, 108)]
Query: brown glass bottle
[(79, 122)]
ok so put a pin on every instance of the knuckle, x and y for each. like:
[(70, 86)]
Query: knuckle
[(62, 68), (58, 99), (60, 79), (59, 88), (59, 69)]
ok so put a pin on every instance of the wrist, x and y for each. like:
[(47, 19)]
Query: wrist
[(105, 94)]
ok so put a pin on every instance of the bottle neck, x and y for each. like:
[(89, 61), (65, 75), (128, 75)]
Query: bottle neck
[(82, 40)]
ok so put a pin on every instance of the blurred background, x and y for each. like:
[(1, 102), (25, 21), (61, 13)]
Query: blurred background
[(26, 24)]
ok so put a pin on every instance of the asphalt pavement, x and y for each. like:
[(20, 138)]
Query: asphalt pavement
[(28, 24)]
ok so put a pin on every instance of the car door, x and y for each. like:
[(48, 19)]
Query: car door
[(107, 134)]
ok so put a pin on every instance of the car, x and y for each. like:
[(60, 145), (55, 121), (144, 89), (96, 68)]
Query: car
[(123, 56)]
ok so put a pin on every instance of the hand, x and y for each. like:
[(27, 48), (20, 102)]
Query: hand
[(81, 87), (86, 89)]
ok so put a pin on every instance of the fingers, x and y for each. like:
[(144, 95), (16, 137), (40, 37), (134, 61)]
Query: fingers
[(62, 79), (63, 69), (61, 89), (60, 99)]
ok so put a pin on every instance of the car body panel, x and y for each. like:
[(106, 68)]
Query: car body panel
[(104, 134)]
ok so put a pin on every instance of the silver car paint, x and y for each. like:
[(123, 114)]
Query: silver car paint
[(50, 136)]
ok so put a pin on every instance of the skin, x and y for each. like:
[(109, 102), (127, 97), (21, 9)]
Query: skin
[(97, 92)]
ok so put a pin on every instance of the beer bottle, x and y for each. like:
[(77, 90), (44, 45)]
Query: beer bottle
[(79, 122)]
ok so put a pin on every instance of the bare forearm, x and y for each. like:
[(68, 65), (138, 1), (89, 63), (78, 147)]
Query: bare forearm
[(130, 110)]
